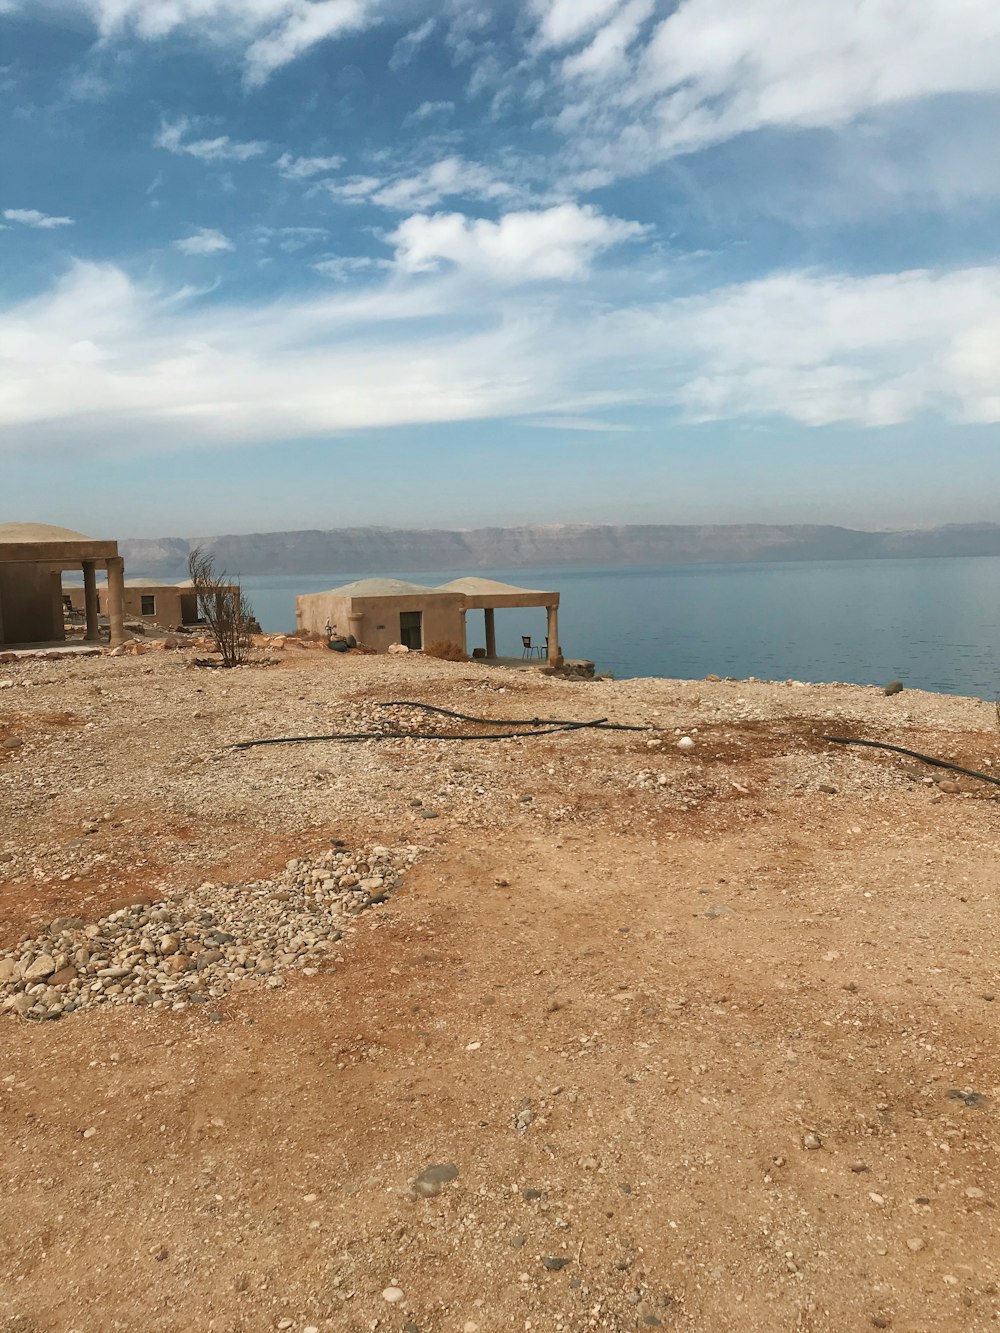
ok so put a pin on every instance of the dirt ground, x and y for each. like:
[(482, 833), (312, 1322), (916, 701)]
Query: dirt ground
[(710, 1034)]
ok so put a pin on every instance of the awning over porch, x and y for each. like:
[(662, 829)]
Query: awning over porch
[(489, 595)]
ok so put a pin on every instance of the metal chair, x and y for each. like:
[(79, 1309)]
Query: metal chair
[(528, 651)]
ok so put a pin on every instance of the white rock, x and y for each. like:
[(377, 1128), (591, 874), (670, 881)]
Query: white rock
[(685, 743), (393, 1295)]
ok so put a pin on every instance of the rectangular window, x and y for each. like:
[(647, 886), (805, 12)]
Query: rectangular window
[(411, 634), (148, 605)]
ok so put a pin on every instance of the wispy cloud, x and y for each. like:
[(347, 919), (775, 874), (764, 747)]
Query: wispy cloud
[(268, 33), (430, 111), (304, 168), (405, 50), (204, 241), (101, 352), (716, 69), (31, 217), (173, 137)]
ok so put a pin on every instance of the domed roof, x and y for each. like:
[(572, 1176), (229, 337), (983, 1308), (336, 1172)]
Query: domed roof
[(39, 532)]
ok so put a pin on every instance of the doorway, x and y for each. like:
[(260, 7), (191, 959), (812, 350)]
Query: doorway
[(411, 630)]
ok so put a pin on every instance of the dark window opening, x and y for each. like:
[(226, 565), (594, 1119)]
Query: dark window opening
[(411, 629), (148, 605)]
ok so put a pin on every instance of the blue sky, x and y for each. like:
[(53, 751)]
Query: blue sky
[(310, 263)]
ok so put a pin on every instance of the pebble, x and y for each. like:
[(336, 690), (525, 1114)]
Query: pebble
[(393, 1295), (429, 1182), (685, 743), (811, 1142), (170, 953)]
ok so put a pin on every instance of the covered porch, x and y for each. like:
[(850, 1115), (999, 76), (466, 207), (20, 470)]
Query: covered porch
[(32, 559), (490, 596)]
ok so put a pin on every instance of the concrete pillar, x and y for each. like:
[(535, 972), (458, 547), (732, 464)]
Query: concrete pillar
[(489, 615), (58, 615), (555, 656), (93, 633), (354, 623), (464, 645), (116, 599)]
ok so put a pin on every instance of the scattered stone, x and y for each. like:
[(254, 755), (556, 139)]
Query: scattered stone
[(719, 909), (827, 787), (916, 1244), (811, 1142), (685, 743), (43, 966), (430, 1181), (553, 1263), (859, 1168), (894, 687), (974, 1099), (393, 1295), (949, 786), (193, 948)]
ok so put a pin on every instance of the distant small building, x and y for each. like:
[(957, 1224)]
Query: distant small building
[(32, 559), (380, 611), (168, 604)]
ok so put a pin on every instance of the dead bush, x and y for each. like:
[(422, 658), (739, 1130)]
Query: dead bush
[(447, 651), (227, 614)]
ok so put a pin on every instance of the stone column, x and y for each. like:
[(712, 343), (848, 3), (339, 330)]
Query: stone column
[(555, 656), (464, 645), (489, 616), (93, 633), (58, 614), (116, 599)]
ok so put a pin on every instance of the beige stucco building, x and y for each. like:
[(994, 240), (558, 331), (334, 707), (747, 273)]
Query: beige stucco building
[(166, 604), (380, 612), (32, 558)]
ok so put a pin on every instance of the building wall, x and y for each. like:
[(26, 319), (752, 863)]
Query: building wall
[(29, 610), (374, 621), (167, 606)]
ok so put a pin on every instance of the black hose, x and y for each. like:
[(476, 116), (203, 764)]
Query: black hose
[(914, 754), (598, 725), (604, 724)]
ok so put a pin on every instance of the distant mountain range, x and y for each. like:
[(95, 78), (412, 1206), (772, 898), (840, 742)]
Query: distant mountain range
[(360, 551)]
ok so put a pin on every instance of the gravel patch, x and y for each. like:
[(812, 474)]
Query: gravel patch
[(196, 947)]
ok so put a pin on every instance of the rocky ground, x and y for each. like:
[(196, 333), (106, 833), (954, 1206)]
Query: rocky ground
[(584, 1030)]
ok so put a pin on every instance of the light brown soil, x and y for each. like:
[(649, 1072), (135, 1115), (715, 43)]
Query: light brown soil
[(679, 980)]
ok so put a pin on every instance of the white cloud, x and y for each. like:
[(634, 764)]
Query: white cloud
[(31, 217), (564, 22), (303, 168), (714, 69), (607, 52), (100, 355), (428, 111), (205, 241), (557, 242), (450, 177), (172, 137), (405, 50), (343, 267), (304, 26), (269, 33)]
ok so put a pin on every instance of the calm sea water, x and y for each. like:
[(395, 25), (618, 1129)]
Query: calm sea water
[(933, 624)]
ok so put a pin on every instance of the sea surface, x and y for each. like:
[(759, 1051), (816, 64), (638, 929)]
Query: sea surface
[(933, 624)]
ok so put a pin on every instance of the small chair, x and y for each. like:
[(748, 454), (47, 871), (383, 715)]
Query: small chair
[(526, 645)]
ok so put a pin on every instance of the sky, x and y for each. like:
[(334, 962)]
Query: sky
[(271, 264)]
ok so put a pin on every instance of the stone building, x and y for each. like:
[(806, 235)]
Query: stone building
[(379, 612), (32, 559), (170, 605)]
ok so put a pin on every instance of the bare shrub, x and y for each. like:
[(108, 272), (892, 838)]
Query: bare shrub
[(221, 605), (446, 650)]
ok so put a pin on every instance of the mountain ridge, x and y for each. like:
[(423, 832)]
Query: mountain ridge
[(379, 550)]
